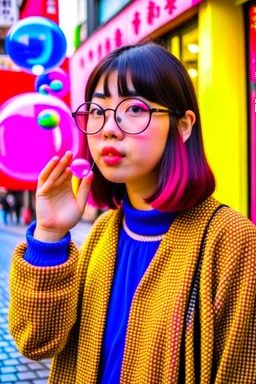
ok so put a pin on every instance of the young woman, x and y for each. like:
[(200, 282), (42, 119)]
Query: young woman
[(163, 289)]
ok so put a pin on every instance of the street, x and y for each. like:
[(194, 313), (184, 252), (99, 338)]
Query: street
[(15, 368)]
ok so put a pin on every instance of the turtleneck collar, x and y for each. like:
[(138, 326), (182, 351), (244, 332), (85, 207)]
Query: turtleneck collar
[(147, 223)]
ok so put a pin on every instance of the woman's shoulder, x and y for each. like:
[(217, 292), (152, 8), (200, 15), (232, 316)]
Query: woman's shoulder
[(233, 226), (231, 242), (232, 217)]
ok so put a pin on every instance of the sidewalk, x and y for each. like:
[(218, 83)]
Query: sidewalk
[(78, 233)]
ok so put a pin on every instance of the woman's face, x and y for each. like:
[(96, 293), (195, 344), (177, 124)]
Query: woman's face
[(136, 163)]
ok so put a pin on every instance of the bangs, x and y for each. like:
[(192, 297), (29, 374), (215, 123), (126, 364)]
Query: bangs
[(143, 74), (154, 75)]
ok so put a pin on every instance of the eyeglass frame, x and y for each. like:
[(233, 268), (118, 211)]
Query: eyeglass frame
[(151, 110)]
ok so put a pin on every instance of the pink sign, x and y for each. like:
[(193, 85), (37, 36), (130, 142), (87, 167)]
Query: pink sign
[(138, 20), (252, 40)]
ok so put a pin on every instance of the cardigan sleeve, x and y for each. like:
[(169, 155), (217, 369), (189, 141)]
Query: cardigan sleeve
[(43, 304), (43, 254), (235, 301)]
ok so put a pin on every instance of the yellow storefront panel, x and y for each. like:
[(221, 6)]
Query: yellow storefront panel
[(222, 98)]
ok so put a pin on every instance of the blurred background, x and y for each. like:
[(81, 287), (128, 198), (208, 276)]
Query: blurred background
[(47, 51)]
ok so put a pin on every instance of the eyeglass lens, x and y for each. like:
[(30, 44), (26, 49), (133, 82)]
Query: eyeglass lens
[(131, 115)]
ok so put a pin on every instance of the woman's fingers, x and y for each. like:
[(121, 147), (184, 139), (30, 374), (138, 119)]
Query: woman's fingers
[(65, 176), (54, 169), (44, 174), (57, 173), (84, 189), (61, 166)]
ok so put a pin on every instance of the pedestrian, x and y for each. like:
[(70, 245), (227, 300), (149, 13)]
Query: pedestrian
[(18, 207), (11, 202), (5, 207), (163, 289)]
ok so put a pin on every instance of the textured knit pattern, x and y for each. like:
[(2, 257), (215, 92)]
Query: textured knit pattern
[(60, 311)]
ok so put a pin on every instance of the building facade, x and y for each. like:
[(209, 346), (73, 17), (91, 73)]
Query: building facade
[(215, 41)]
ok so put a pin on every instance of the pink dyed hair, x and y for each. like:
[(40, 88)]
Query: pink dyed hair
[(185, 178)]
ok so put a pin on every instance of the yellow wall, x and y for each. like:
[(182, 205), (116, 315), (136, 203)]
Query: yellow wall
[(222, 98)]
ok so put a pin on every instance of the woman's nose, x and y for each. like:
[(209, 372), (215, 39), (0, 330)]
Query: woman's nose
[(110, 127)]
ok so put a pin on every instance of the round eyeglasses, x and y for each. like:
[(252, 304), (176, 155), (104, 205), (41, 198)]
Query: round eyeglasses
[(132, 116)]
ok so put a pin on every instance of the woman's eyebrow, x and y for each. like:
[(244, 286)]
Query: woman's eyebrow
[(102, 95), (99, 94)]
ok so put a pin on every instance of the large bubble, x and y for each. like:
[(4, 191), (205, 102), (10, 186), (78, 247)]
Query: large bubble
[(55, 83), (26, 146), (36, 44)]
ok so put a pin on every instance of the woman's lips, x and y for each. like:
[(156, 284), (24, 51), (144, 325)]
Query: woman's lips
[(112, 160), (111, 156)]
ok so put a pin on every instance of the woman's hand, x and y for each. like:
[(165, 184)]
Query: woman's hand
[(57, 208)]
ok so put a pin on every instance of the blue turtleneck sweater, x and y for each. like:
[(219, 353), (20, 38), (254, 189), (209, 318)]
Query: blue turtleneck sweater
[(139, 239)]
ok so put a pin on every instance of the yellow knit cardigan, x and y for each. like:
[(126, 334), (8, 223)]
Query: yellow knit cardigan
[(60, 311)]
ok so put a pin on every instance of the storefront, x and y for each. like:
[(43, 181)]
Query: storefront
[(139, 20), (208, 36), (250, 25)]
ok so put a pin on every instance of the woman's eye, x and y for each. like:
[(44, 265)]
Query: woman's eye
[(95, 112), (136, 109)]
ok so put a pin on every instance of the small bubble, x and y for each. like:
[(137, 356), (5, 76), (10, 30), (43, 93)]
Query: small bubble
[(80, 168)]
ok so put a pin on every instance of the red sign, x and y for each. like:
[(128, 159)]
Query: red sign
[(50, 10), (45, 8)]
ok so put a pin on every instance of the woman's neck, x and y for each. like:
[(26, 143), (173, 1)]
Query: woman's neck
[(137, 198)]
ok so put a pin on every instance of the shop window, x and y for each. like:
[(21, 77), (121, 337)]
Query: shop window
[(3, 33), (2, 50), (108, 8), (81, 29), (184, 45)]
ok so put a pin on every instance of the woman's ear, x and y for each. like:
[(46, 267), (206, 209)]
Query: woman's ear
[(186, 124)]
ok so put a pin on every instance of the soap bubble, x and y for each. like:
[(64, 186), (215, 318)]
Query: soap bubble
[(48, 118), (36, 44), (56, 81), (80, 167), (44, 89), (56, 85), (25, 147)]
